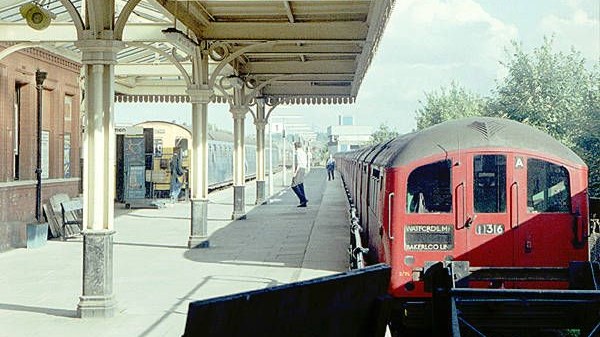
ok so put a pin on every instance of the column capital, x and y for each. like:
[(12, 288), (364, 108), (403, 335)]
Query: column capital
[(260, 123), (99, 51), (238, 111), (199, 94)]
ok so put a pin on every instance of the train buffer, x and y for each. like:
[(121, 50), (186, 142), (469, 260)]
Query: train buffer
[(457, 309), (350, 304)]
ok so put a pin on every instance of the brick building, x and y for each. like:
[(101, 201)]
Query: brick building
[(61, 136)]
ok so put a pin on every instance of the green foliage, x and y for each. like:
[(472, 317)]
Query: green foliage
[(383, 134), (448, 103), (552, 91), (546, 89)]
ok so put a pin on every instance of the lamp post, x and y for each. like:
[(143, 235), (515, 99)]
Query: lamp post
[(270, 159), (283, 180), (40, 76)]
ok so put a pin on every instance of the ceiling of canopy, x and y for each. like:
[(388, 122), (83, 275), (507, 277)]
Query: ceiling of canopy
[(296, 51)]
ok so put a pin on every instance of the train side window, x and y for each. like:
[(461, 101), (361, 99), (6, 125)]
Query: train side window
[(428, 188), (489, 183), (373, 192), (374, 188), (547, 187)]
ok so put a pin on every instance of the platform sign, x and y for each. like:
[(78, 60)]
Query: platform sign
[(45, 154), (128, 130), (135, 169)]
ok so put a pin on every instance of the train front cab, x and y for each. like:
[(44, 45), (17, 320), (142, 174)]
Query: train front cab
[(491, 208)]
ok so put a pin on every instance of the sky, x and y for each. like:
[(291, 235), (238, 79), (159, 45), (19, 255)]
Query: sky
[(426, 45)]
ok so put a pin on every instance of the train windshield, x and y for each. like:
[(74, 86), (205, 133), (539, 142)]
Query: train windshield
[(489, 183), (547, 187), (429, 188)]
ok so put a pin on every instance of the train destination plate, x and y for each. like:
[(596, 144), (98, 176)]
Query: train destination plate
[(428, 237)]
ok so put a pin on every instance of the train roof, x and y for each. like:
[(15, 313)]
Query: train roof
[(217, 135), (468, 133)]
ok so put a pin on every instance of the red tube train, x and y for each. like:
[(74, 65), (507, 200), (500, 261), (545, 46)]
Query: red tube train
[(494, 192)]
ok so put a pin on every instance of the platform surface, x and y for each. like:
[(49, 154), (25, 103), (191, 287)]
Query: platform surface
[(156, 276)]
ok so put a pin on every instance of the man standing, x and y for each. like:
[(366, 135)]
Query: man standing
[(330, 168), (299, 171), (176, 172)]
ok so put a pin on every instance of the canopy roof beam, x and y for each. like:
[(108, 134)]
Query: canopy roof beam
[(66, 32)]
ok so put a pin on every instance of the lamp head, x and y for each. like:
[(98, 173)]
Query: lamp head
[(37, 17), (40, 77)]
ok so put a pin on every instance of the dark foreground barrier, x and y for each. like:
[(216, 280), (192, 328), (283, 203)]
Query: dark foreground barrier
[(354, 303), (458, 311)]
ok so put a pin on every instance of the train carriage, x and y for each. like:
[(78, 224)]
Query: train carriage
[(490, 191), (164, 138)]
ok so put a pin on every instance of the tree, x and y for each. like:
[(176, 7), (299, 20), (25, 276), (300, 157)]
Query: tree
[(546, 89), (384, 133), (448, 103), (554, 92), (588, 145)]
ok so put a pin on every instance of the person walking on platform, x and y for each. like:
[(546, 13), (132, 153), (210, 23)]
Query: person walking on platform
[(299, 171), (330, 168), (176, 173)]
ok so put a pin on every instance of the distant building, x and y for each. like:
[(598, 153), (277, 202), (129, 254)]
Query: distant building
[(346, 136), (345, 120)]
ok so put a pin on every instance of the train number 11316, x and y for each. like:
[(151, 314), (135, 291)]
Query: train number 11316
[(489, 229)]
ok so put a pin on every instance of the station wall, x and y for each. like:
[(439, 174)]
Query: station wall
[(61, 134)]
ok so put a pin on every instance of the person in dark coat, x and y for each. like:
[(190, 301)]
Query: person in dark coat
[(176, 173), (330, 168)]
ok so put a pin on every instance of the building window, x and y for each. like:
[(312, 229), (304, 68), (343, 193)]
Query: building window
[(547, 187), (68, 107), (16, 132), (428, 189), (489, 183)]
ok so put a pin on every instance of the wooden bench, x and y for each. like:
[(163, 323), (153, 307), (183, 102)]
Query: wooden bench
[(72, 217)]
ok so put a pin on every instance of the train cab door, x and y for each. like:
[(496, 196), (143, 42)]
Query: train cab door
[(545, 221), (430, 210), (487, 210)]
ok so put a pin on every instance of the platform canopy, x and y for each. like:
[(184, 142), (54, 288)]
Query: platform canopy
[(297, 52)]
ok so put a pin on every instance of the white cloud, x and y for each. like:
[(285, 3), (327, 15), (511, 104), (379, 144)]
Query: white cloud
[(579, 28), (439, 31), (428, 44)]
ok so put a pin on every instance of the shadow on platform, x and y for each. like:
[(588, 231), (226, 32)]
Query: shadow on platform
[(274, 234), (39, 310)]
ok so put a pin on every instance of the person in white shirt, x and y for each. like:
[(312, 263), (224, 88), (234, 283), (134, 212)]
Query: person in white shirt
[(299, 171)]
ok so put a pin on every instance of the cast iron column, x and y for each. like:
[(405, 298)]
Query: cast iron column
[(239, 200), (200, 96), (98, 58), (40, 76), (260, 123)]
